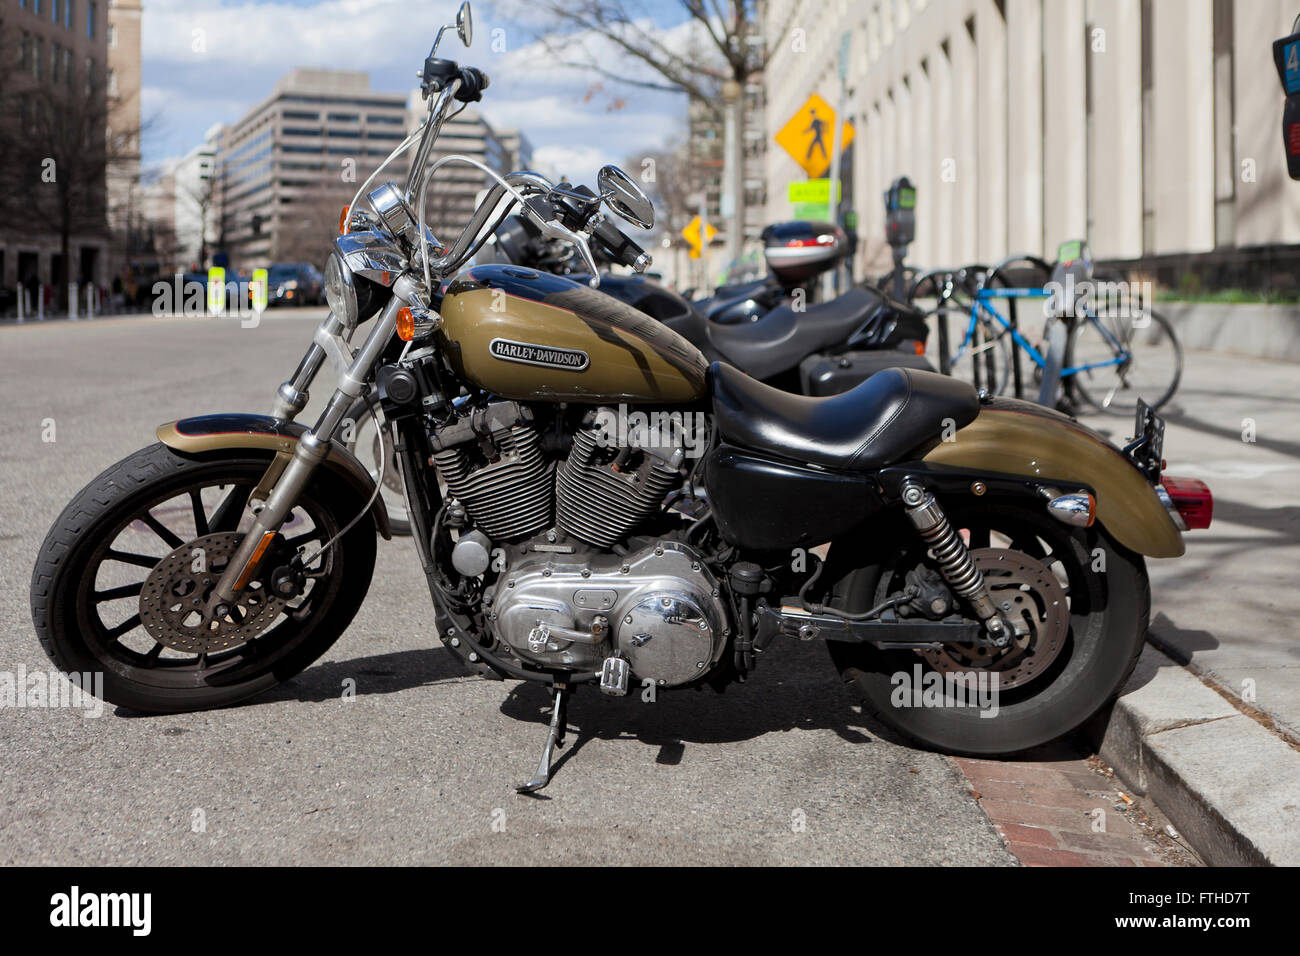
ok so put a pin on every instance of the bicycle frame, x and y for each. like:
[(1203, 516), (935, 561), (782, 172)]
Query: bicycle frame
[(981, 304)]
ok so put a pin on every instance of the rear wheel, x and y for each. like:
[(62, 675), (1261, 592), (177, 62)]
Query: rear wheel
[(1065, 667), (126, 566)]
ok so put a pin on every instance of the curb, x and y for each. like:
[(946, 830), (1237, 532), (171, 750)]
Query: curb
[(1230, 787)]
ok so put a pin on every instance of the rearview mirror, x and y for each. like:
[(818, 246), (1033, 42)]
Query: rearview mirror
[(465, 24), (625, 197)]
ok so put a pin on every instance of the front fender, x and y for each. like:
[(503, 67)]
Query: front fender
[(210, 433), (1021, 438)]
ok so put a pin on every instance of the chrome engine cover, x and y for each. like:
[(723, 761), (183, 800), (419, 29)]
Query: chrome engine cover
[(659, 608)]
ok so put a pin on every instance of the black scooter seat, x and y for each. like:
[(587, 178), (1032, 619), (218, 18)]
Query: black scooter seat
[(879, 422), (780, 339)]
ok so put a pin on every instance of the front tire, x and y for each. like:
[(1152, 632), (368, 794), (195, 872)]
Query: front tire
[(88, 598), (1109, 604)]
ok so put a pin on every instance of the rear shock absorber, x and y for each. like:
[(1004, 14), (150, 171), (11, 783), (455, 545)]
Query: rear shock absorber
[(955, 563)]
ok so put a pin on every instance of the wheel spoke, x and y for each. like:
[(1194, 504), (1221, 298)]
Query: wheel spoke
[(160, 529), (130, 624), (139, 560), (152, 657), (200, 516), (228, 513), (112, 594), (313, 535)]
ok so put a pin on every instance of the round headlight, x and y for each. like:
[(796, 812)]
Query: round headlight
[(341, 291)]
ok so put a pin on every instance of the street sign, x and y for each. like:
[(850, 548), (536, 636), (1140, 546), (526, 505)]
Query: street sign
[(807, 137), (811, 191), (812, 211), (692, 235)]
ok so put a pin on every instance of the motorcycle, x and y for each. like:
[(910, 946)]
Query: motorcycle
[(820, 349), (618, 512)]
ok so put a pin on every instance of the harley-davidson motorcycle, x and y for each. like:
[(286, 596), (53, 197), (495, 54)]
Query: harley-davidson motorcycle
[(593, 503)]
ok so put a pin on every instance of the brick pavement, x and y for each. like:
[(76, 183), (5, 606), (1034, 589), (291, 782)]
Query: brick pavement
[(1060, 806)]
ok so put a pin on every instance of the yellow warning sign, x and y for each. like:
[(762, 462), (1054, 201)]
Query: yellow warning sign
[(808, 136), (692, 235)]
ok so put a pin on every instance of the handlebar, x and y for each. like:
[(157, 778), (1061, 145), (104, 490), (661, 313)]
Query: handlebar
[(619, 247)]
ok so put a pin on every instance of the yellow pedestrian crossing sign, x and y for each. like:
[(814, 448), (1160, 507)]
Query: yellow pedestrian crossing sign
[(809, 134), (692, 235)]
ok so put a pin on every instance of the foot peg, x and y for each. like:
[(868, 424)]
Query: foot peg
[(554, 738), (613, 676)]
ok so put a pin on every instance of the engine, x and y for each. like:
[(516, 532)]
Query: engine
[(659, 609), (576, 603)]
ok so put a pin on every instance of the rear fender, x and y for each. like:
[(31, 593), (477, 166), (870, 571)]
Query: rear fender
[(1026, 440), (214, 433)]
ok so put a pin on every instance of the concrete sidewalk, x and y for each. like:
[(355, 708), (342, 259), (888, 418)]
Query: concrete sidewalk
[(1216, 743)]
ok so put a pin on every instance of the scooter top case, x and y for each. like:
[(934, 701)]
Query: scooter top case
[(797, 251)]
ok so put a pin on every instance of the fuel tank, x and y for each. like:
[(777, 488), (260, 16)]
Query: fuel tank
[(524, 334)]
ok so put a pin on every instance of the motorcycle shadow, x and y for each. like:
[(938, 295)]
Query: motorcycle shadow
[(792, 691)]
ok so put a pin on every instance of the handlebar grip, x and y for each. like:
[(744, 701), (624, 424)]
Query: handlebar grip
[(473, 82), (619, 247)]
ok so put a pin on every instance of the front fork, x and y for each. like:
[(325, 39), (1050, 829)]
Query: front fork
[(314, 446)]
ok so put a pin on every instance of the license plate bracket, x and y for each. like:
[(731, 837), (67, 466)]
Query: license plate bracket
[(1146, 450)]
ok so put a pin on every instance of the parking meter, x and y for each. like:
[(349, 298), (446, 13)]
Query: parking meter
[(1286, 56), (1073, 268), (900, 226)]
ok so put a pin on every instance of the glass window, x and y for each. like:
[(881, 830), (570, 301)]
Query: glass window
[(90, 18), (54, 10), (112, 36), (67, 13)]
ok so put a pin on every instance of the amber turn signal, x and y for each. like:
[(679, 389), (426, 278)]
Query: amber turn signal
[(343, 221), (405, 324)]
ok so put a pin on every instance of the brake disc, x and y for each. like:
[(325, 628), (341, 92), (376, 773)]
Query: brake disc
[(1031, 597), (176, 592)]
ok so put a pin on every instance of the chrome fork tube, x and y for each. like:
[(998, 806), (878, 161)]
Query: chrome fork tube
[(311, 450), (291, 397)]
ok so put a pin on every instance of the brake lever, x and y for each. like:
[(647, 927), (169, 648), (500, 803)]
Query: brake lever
[(556, 230)]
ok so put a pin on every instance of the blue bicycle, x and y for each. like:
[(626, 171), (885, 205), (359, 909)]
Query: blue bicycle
[(1107, 348)]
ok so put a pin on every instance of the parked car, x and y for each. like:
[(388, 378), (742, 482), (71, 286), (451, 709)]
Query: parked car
[(295, 283)]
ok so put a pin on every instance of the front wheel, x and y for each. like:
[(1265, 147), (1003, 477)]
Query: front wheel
[(1081, 599), (126, 566)]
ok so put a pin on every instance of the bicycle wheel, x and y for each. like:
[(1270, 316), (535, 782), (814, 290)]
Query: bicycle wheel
[(983, 359), (1121, 358)]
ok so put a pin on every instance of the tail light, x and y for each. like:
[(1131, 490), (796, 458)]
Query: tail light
[(1191, 499)]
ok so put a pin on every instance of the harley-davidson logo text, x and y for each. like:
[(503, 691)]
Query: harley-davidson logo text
[(571, 359)]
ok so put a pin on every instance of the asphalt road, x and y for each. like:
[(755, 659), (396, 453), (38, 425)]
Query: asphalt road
[(420, 766)]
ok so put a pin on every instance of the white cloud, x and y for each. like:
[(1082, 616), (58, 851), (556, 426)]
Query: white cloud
[(568, 115)]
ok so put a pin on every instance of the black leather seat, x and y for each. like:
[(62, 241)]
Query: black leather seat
[(879, 422), (780, 339)]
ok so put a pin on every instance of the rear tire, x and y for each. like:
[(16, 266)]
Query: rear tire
[(67, 591), (1108, 622)]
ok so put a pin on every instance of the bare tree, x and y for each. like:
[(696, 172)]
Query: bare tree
[(723, 50), (309, 225), (55, 148), (730, 28)]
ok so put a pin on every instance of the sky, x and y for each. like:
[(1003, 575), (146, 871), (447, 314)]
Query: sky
[(209, 61)]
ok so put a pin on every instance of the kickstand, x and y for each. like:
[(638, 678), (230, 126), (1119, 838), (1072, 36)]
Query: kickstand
[(554, 738)]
